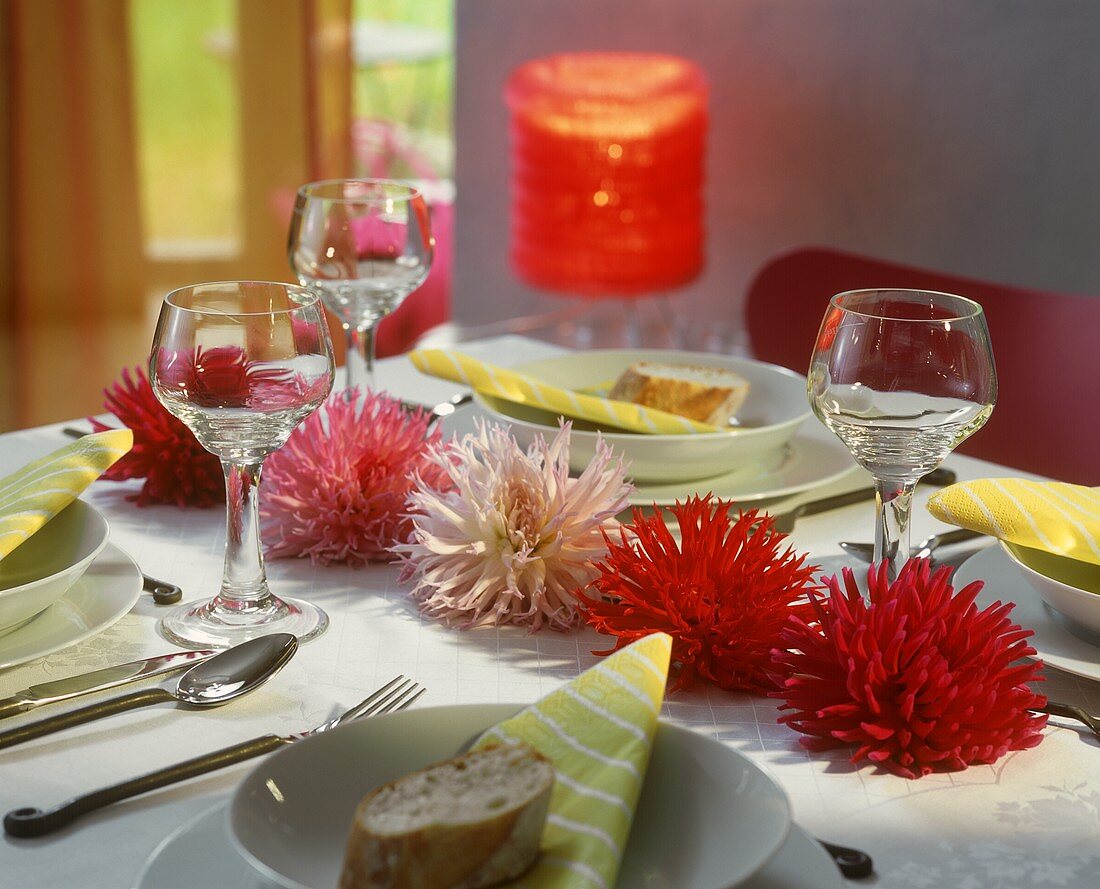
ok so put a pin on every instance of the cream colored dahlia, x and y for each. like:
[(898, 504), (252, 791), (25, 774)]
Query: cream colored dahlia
[(515, 536)]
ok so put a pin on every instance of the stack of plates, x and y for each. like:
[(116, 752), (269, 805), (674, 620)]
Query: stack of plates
[(707, 819), (779, 451), (63, 585)]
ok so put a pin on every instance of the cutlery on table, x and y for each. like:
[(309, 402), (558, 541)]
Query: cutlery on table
[(853, 864), (441, 410), (31, 822), (99, 680), (1069, 711), (923, 550), (784, 522), (163, 592), (225, 676)]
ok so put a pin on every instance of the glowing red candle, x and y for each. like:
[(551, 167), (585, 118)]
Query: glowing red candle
[(607, 157)]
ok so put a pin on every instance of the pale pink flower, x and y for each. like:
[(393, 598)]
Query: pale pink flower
[(515, 536)]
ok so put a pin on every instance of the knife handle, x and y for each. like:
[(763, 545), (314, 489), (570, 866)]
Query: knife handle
[(31, 822), (51, 724), (12, 706)]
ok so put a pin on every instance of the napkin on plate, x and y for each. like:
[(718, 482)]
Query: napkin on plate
[(523, 389), (33, 495), (1054, 516), (598, 731)]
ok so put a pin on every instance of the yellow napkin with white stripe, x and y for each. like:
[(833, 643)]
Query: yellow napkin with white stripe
[(33, 495), (1054, 516), (489, 379), (598, 731)]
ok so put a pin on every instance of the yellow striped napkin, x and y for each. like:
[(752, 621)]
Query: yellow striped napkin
[(598, 732), (1054, 516), (33, 495), (520, 388)]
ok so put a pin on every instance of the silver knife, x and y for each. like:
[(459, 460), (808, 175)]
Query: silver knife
[(98, 680)]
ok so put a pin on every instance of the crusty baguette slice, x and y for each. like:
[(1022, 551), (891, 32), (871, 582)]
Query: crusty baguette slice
[(706, 394), (465, 823)]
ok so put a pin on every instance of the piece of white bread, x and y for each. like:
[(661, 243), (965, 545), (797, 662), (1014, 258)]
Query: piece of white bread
[(705, 394), (472, 821)]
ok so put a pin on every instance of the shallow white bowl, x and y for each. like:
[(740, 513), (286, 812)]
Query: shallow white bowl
[(707, 818), (775, 408), (43, 568), (1069, 586)]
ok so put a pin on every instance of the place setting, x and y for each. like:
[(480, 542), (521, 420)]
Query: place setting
[(630, 507)]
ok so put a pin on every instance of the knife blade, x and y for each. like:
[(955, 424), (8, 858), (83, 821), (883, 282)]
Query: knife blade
[(98, 680), (784, 522)]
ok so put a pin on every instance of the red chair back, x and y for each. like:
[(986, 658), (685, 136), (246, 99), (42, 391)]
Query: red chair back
[(1045, 345)]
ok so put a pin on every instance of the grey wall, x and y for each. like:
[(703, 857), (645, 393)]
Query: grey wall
[(957, 135)]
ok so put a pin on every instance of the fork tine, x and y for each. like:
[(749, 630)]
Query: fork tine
[(399, 699)]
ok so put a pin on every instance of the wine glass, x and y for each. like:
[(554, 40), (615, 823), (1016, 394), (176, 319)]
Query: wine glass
[(242, 363), (362, 245), (902, 377)]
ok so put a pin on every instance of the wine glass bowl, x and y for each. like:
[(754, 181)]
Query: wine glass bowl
[(902, 377), (362, 245), (241, 363)]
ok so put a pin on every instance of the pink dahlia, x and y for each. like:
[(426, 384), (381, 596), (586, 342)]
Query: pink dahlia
[(336, 491), (515, 536), (166, 454), (917, 679)]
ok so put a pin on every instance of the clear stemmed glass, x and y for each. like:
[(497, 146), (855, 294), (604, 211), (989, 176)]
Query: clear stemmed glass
[(363, 245), (242, 363), (902, 377)]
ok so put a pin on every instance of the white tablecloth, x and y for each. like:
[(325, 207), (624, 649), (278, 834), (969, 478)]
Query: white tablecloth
[(1032, 819)]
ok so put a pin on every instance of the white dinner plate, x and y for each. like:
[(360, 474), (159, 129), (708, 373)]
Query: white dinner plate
[(107, 590), (813, 458), (1054, 645), (708, 818), (199, 853)]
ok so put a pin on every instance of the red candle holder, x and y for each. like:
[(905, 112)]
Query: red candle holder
[(607, 173)]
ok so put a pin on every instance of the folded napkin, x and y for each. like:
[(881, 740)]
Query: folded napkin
[(598, 732), (33, 495), (523, 389), (1054, 516)]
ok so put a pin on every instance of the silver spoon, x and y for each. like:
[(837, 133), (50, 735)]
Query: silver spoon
[(225, 676), (923, 550)]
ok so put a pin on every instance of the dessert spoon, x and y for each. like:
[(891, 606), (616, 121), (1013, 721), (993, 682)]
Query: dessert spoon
[(225, 676)]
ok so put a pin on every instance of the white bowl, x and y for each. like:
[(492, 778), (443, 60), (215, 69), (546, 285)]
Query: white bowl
[(775, 408), (43, 568), (708, 818), (1069, 586)]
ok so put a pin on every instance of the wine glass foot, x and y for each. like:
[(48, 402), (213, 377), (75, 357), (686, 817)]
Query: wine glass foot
[(208, 624)]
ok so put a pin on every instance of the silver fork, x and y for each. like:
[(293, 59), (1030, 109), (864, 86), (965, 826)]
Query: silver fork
[(1069, 711), (397, 694), (923, 550)]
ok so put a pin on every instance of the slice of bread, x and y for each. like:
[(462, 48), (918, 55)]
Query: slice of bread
[(465, 823), (705, 394)]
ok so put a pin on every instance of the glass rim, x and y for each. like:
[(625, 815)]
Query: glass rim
[(311, 298), (411, 192), (974, 308)]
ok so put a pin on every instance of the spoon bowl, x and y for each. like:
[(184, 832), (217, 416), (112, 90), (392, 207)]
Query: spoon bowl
[(228, 675)]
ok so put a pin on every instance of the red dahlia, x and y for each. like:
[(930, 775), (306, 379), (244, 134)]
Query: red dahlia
[(723, 593), (176, 468), (917, 679)]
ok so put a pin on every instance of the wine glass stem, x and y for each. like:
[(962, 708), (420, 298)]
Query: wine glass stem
[(244, 582), (893, 504), (359, 363)]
